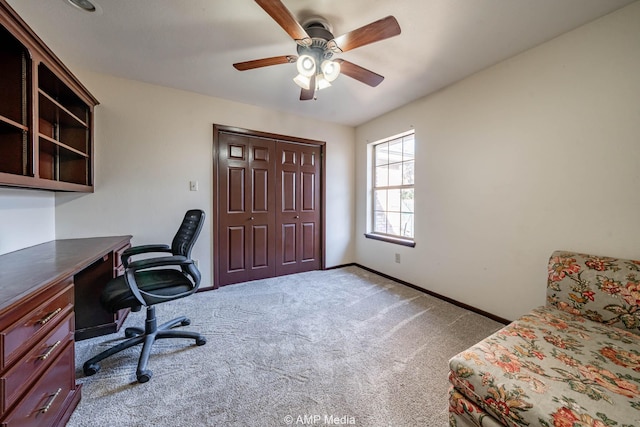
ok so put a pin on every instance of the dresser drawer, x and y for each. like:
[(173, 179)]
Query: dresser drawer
[(23, 334), (44, 402), (14, 382)]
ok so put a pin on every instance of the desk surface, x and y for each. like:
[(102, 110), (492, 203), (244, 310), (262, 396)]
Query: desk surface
[(24, 271)]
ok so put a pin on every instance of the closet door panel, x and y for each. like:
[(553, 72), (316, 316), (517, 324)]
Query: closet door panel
[(246, 226)]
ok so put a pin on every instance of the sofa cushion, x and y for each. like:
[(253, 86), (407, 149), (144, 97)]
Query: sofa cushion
[(551, 368), (602, 289), (465, 413)]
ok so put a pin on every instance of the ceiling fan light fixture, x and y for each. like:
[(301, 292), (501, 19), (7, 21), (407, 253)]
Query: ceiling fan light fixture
[(322, 83), (306, 65), (303, 81), (330, 70)]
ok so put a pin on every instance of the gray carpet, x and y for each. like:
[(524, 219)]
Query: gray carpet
[(341, 345)]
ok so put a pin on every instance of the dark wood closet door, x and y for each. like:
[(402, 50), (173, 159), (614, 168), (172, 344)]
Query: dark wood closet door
[(246, 205), (298, 215), (268, 215)]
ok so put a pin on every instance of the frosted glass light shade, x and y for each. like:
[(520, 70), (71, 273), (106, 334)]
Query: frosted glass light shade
[(330, 70), (303, 81), (321, 82), (306, 65)]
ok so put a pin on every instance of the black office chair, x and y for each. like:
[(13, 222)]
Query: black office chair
[(153, 281)]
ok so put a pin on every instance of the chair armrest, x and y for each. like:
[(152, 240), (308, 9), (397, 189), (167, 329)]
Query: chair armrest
[(142, 249), (166, 261)]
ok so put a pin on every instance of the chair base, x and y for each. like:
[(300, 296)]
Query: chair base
[(147, 337)]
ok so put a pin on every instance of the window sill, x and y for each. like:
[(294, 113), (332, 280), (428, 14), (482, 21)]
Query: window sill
[(389, 239)]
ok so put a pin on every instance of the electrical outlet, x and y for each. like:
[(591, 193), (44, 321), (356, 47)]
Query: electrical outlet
[(398, 258)]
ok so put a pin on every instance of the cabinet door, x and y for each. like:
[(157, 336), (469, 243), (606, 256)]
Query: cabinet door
[(246, 204), (298, 224)]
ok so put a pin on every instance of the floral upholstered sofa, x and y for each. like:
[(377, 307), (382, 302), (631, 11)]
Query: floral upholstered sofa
[(572, 363)]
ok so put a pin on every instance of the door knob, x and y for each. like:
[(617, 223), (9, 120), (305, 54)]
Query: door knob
[(297, 216), (251, 218)]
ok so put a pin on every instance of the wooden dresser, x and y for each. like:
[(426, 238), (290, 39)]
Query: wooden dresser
[(37, 324)]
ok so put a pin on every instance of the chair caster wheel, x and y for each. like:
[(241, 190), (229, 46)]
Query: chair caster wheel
[(185, 322), (91, 369), (201, 341), (132, 332), (144, 376)]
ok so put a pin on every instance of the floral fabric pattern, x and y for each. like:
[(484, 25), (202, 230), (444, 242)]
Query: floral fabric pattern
[(572, 363), (605, 290), (551, 368)]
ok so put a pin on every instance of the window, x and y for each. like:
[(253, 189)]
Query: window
[(393, 192)]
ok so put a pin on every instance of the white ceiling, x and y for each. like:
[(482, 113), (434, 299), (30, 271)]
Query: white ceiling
[(192, 44)]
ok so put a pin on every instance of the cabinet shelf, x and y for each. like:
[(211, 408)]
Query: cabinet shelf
[(14, 149), (62, 145), (59, 163), (8, 121), (14, 74), (46, 114), (59, 124), (53, 108), (53, 87)]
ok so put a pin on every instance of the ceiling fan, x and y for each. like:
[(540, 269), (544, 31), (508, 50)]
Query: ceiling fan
[(316, 46)]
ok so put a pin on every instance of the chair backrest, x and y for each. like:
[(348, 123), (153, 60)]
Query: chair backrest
[(188, 233)]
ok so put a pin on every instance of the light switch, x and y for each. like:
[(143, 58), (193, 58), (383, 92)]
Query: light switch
[(193, 185)]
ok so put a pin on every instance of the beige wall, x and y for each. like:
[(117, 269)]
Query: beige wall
[(151, 141), (537, 153), (27, 218)]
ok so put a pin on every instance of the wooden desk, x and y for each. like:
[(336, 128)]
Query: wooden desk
[(38, 287)]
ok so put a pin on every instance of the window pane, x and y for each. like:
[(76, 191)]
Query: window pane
[(393, 192), (395, 151), (407, 225), (380, 200), (393, 201), (382, 176), (408, 148), (381, 153), (393, 223), (380, 222), (407, 200), (407, 173), (395, 174)]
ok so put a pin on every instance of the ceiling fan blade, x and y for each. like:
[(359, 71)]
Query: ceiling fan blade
[(265, 62), (286, 20), (371, 33), (359, 73), (307, 94)]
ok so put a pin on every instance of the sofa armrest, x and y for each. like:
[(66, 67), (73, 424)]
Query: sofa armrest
[(602, 289)]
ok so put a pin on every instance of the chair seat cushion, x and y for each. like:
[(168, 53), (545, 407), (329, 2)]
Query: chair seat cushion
[(553, 368), (167, 283)]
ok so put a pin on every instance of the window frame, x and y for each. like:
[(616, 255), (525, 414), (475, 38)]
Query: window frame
[(371, 208)]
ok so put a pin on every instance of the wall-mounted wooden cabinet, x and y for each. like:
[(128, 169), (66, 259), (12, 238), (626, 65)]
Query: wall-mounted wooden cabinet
[(46, 114)]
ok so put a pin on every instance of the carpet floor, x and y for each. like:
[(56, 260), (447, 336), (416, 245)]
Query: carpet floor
[(342, 346)]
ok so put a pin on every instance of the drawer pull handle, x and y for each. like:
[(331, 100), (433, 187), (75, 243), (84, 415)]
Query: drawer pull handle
[(48, 353), (52, 398), (49, 316)]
